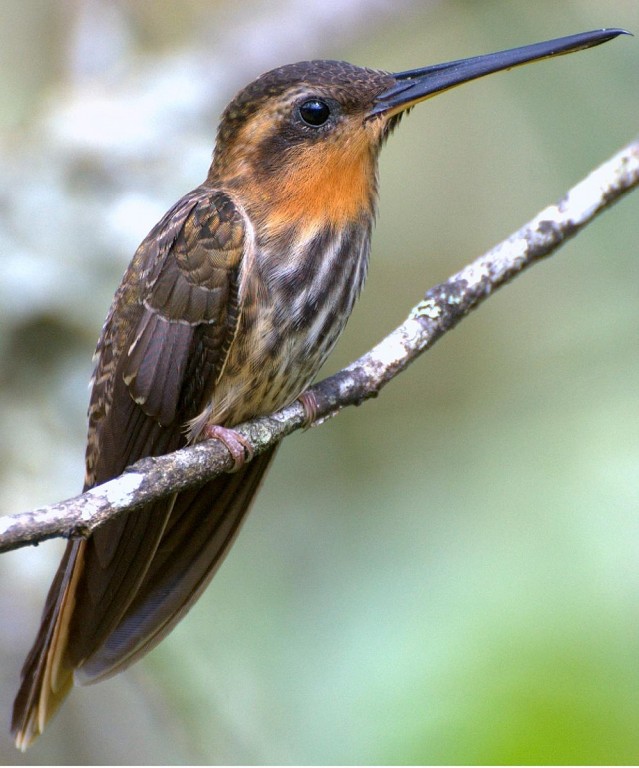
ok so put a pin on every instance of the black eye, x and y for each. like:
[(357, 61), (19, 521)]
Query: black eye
[(315, 112)]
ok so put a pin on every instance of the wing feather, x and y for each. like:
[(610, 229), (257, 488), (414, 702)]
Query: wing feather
[(200, 531), (175, 312)]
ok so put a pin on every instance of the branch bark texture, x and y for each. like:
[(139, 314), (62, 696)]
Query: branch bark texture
[(438, 312)]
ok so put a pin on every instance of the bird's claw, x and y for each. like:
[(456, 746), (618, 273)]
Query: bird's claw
[(311, 408), (237, 445)]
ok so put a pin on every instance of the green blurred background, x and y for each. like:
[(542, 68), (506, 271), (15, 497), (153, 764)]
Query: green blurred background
[(445, 575)]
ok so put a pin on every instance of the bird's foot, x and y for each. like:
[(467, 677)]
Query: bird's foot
[(238, 446), (311, 407)]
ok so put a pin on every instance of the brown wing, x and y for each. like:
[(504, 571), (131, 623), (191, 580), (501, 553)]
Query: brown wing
[(160, 353), (202, 526)]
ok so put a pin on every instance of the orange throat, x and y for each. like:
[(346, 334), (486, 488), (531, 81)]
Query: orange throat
[(322, 186)]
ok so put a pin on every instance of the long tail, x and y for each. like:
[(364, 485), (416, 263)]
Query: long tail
[(46, 675), (187, 550)]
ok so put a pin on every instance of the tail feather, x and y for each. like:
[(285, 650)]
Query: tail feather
[(47, 676), (200, 529)]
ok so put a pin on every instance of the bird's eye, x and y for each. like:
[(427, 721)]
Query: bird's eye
[(315, 112)]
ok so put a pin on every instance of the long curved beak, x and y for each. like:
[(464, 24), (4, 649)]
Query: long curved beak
[(415, 85)]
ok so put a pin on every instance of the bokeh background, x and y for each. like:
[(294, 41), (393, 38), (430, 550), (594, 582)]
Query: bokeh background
[(448, 574)]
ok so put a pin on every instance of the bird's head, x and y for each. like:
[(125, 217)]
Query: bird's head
[(300, 143)]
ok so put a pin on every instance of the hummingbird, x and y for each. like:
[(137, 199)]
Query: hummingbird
[(227, 311)]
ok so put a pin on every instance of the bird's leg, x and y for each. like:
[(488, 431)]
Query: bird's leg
[(311, 407), (238, 446)]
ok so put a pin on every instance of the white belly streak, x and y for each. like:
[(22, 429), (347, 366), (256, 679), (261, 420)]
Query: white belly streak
[(282, 366)]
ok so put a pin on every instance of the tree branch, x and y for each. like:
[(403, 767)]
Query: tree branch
[(438, 312)]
